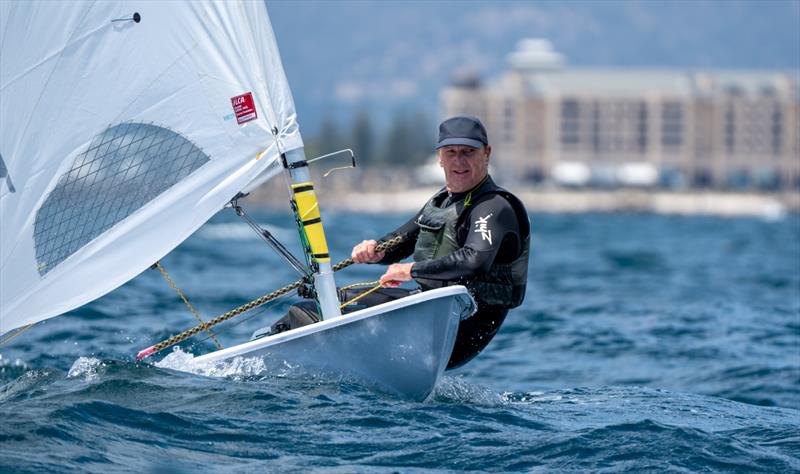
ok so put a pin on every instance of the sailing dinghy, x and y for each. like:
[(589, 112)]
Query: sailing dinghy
[(125, 127)]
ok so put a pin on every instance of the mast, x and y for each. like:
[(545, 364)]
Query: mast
[(306, 208)]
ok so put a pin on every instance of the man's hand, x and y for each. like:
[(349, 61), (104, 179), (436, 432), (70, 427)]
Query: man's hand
[(365, 252), (396, 274)]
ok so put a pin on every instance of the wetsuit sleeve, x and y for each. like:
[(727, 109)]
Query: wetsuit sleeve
[(411, 230), (491, 226)]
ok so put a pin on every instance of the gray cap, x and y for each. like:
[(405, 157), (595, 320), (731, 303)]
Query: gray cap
[(462, 130)]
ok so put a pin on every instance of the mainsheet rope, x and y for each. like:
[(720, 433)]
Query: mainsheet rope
[(178, 338), (264, 307), (186, 301), (377, 286)]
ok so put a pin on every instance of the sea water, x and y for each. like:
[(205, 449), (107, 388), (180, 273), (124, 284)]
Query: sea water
[(645, 343)]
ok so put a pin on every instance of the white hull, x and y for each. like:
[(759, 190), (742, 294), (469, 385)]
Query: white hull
[(402, 346)]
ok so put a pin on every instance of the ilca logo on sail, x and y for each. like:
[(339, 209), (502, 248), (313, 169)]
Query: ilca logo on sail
[(244, 107), (4, 174)]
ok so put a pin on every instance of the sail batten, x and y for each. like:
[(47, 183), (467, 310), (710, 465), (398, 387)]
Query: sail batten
[(123, 138)]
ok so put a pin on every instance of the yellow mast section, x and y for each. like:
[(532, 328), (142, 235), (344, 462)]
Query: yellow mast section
[(308, 210)]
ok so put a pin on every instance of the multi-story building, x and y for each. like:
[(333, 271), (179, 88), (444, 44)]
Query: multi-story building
[(546, 122)]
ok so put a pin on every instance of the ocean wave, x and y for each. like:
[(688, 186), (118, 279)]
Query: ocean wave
[(644, 343), (29, 384)]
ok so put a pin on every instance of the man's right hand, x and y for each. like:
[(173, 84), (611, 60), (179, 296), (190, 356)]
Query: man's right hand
[(365, 252)]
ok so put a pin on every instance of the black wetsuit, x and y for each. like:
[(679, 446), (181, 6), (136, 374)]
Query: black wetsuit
[(488, 233)]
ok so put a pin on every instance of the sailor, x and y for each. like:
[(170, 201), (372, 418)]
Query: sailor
[(472, 232)]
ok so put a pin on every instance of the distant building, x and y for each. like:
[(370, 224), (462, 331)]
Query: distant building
[(638, 127)]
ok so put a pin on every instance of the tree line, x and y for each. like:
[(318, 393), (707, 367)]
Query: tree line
[(407, 141)]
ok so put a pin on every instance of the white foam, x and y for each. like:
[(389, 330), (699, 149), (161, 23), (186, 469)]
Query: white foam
[(457, 389), (528, 398), (86, 367), (236, 368)]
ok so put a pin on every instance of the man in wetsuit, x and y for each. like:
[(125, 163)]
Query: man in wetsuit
[(472, 233)]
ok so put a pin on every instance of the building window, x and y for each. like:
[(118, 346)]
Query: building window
[(595, 127), (730, 130), (702, 178), (508, 121), (671, 124), (570, 122), (738, 179), (767, 179), (616, 128), (777, 131), (641, 128)]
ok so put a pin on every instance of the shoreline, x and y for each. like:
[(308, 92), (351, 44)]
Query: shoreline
[(714, 203)]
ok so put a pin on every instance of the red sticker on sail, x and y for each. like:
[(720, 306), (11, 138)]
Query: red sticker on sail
[(244, 107)]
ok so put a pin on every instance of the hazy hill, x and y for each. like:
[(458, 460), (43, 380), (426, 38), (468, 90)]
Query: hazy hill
[(342, 55)]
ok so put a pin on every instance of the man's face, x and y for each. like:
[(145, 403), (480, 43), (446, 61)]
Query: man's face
[(464, 166)]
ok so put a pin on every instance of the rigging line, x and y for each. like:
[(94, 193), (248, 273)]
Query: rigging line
[(275, 133), (177, 338), (261, 311), (270, 239), (188, 305), (221, 318), (286, 172), (375, 288), (15, 333), (356, 285)]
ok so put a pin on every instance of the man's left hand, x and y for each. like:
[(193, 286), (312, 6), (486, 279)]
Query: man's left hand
[(396, 274)]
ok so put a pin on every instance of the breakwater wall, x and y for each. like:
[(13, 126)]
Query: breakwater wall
[(769, 205)]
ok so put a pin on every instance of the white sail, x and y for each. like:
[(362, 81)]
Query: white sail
[(119, 138)]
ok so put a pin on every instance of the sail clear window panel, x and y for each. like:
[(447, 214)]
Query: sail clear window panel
[(123, 168)]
